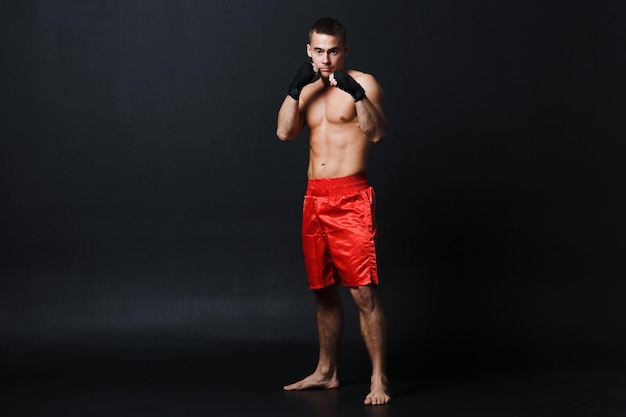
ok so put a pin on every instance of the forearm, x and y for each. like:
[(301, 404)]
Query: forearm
[(368, 103), (290, 117), (371, 120), (290, 121)]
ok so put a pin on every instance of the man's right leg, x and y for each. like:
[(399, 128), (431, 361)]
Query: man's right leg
[(330, 321)]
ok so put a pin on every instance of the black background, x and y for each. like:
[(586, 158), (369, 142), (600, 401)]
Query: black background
[(146, 202)]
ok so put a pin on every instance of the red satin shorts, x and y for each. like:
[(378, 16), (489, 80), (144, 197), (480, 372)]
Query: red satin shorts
[(339, 232)]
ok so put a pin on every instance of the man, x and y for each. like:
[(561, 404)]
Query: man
[(342, 109)]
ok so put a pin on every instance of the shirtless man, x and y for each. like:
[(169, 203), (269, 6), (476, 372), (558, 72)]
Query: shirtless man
[(342, 109)]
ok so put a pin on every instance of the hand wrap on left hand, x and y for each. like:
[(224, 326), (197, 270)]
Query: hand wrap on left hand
[(349, 85)]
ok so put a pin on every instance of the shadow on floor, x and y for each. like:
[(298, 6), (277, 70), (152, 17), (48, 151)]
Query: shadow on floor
[(246, 379)]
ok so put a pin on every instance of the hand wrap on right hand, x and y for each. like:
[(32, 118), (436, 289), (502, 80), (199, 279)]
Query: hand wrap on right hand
[(305, 75)]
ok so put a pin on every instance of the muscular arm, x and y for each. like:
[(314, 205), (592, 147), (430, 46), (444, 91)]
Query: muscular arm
[(290, 115), (371, 120), (368, 96), (290, 120)]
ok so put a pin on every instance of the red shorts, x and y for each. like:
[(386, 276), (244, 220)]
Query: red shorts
[(339, 232)]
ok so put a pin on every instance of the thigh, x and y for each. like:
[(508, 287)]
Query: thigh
[(317, 260), (350, 225)]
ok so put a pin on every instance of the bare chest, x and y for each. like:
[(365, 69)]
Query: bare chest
[(331, 107)]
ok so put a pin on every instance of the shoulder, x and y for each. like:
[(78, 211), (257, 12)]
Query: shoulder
[(368, 82), (365, 79), (360, 75)]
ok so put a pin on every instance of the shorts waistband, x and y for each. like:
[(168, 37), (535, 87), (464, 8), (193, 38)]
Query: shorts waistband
[(322, 187)]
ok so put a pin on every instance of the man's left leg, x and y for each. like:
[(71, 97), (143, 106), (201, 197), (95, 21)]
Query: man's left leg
[(374, 332)]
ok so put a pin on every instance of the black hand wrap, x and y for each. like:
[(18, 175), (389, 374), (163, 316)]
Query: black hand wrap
[(349, 85), (305, 75)]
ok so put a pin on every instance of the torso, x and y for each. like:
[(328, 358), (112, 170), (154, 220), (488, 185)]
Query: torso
[(338, 146)]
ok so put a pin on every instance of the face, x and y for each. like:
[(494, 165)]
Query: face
[(327, 53)]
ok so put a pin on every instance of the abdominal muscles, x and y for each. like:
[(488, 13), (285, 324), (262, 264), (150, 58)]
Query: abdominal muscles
[(338, 146)]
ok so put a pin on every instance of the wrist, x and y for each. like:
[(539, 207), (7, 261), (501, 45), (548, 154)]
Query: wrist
[(294, 93), (358, 95)]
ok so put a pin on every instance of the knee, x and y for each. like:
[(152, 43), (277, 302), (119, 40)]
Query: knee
[(365, 298), (328, 296)]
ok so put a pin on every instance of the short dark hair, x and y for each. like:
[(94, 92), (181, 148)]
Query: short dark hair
[(329, 26)]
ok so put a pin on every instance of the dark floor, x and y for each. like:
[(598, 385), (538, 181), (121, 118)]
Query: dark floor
[(245, 379)]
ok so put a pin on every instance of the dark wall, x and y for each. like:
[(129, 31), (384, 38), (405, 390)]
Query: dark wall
[(145, 193)]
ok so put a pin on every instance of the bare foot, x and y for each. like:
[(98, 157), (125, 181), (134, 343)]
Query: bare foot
[(378, 394), (314, 381)]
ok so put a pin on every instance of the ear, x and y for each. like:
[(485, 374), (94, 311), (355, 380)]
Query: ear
[(308, 50)]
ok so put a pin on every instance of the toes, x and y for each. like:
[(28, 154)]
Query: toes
[(291, 387), (374, 400)]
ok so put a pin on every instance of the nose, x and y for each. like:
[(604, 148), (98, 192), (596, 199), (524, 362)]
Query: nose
[(326, 58)]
